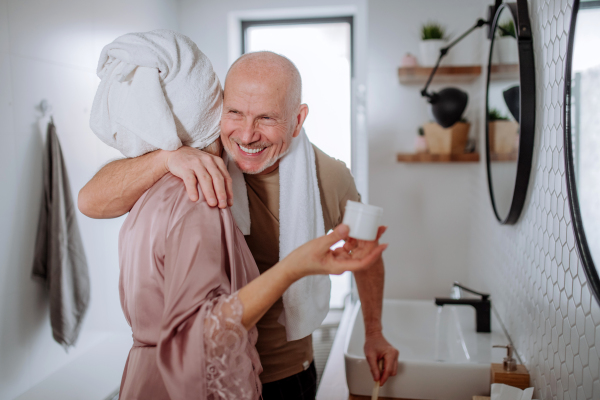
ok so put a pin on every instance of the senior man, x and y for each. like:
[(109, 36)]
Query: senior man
[(262, 114)]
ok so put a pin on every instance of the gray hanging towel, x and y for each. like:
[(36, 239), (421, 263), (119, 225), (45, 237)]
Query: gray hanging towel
[(59, 256)]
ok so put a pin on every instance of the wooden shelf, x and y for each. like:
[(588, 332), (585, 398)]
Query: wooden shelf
[(457, 73), (437, 158), (503, 156), (501, 72), (444, 74)]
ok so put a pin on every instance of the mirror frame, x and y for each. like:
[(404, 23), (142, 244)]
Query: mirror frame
[(520, 15), (583, 249)]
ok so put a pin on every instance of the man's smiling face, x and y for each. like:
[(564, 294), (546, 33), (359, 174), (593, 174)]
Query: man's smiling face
[(261, 113)]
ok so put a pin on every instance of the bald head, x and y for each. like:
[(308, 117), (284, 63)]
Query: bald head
[(271, 67)]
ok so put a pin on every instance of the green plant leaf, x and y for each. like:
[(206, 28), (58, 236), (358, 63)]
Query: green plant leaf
[(507, 29), (495, 115), (433, 30)]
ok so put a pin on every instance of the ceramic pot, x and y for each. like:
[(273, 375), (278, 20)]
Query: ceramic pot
[(508, 50), (430, 51), (446, 140), (409, 61)]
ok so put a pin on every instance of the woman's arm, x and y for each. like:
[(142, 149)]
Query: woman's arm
[(114, 190), (313, 258)]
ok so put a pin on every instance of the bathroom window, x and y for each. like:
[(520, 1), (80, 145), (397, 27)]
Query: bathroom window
[(321, 48)]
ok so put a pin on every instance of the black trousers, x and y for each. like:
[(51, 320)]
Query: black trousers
[(302, 386)]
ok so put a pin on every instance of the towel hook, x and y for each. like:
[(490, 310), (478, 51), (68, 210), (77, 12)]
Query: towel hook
[(46, 109)]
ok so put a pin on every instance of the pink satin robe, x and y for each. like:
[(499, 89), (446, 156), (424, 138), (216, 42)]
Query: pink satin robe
[(181, 266)]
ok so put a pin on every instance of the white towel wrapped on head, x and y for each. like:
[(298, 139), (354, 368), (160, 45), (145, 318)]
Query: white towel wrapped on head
[(158, 91)]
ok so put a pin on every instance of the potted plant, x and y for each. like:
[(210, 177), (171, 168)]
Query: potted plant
[(506, 43), (433, 38), (450, 140), (503, 133)]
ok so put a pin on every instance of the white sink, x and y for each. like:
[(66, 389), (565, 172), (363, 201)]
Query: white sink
[(441, 355)]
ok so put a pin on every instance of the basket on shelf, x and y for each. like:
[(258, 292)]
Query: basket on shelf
[(450, 140)]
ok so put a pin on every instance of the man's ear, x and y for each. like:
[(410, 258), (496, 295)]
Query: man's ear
[(302, 113)]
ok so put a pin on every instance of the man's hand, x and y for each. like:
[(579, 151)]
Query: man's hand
[(196, 167), (377, 348)]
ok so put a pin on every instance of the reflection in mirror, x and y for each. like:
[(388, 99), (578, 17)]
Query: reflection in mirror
[(585, 130), (503, 113)]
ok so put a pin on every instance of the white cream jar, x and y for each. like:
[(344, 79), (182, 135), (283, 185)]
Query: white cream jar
[(363, 220)]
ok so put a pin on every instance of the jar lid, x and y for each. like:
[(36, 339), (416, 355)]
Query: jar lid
[(363, 208)]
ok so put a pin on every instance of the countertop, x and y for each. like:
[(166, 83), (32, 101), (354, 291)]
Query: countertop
[(333, 382)]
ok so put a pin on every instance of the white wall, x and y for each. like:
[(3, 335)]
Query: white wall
[(427, 206), (49, 50)]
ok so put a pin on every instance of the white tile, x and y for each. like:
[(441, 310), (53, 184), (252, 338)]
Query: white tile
[(584, 351), (594, 363), (578, 370), (596, 390)]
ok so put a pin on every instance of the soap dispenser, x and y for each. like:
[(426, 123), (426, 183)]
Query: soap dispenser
[(509, 372)]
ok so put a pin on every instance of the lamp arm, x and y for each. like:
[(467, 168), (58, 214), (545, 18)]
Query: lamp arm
[(480, 22)]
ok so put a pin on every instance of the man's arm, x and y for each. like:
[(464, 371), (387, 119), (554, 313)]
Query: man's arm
[(370, 289), (114, 190)]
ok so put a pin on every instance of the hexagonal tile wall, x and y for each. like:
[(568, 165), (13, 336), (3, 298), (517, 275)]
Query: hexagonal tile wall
[(532, 269)]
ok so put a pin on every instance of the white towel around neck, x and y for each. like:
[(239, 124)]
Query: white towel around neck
[(306, 302), (157, 91)]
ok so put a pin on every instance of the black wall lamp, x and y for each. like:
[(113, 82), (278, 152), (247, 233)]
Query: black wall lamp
[(449, 104)]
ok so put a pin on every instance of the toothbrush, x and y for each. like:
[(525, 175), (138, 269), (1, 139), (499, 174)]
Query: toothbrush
[(375, 394)]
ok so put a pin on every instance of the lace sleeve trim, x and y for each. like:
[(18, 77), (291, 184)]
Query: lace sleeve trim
[(232, 363)]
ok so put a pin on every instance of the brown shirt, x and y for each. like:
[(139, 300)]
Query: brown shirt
[(279, 357)]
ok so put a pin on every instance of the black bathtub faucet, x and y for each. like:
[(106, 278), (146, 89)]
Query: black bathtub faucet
[(483, 307)]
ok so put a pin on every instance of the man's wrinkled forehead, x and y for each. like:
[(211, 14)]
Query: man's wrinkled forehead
[(245, 92)]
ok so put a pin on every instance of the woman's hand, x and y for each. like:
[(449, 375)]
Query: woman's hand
[(359, 248), (317, 258), (313, 258)]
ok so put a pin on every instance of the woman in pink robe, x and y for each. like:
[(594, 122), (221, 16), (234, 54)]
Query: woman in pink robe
[(191, 292)]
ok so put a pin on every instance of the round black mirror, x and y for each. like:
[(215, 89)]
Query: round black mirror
[(510, 111), (582, 135)]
